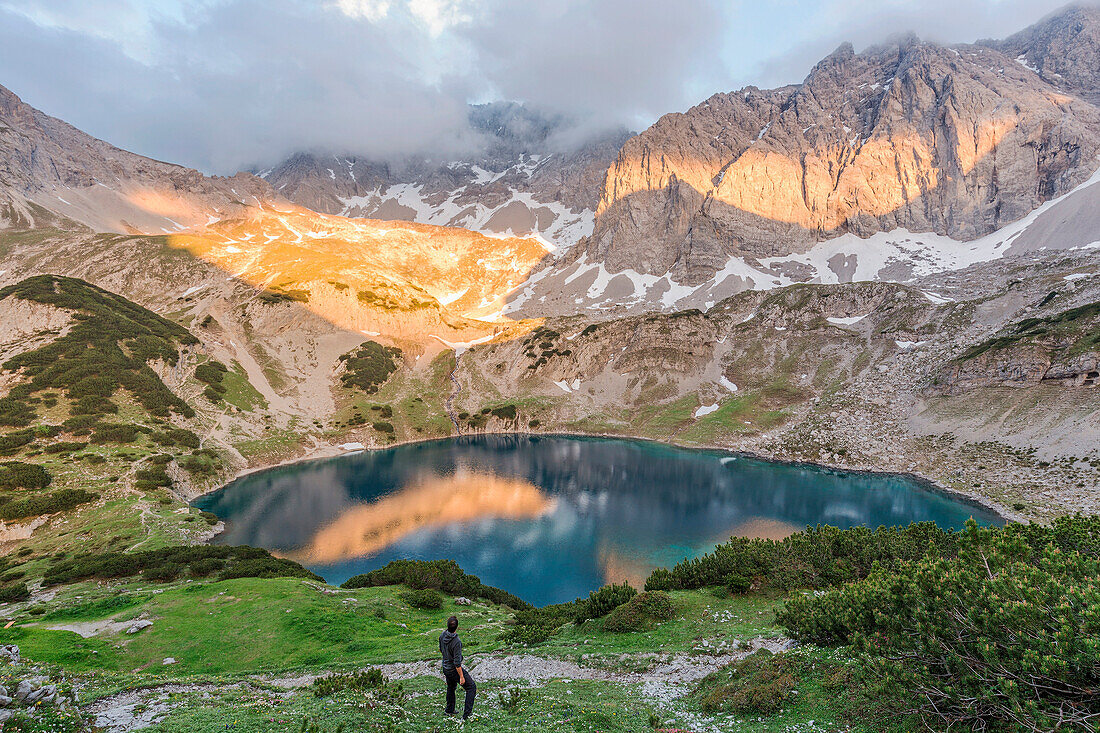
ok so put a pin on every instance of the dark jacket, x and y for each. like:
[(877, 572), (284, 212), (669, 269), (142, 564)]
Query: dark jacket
[(451, 648)]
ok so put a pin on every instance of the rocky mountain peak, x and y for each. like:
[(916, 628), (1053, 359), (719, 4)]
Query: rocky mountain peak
[(523, 181), (958, 141), (1063, 48), (52, 173)]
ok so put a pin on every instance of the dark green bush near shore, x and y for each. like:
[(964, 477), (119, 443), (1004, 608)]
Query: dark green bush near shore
[(603, 601), (425, 599), (169, 563), (535, 625), (1002, 635), (818, 557), (441, 575), (640, 613)]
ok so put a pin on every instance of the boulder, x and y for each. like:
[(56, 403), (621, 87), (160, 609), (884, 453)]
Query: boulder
[(10, 652), (463, 601), (138, 626), (43, 695), (24, 689)]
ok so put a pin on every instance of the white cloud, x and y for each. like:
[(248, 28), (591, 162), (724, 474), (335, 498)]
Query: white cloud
[(440, 15), (220, 84), (372, 10)]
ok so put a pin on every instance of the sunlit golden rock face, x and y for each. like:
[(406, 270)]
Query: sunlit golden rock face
[(434, 502), (400, 279), (956, 141)]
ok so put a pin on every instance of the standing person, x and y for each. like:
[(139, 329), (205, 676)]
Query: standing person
[(450, 646)]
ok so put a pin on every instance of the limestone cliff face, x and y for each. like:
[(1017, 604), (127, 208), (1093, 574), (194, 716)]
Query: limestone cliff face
[(958, 141), (52, 173)]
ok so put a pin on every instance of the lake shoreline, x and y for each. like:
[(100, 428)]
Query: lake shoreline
[(331, 451)]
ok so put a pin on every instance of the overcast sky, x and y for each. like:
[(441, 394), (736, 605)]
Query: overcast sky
[(227, 84)]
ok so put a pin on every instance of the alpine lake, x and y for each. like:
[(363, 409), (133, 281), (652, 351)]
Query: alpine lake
[(551, 518)]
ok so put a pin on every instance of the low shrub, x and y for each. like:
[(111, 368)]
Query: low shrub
[(756, 685), (367, 679), (65, 446), (1003, 635), (602, 601), (817, 557), (19, 475), (211, 372), (114, 433), (424, 599), (442, 575), (239, 561), (640, 613), (206, 566), (162, 573), (267, 567), (57, 501), (16, 413), (738, 583), (14, 592), (369, 366), (10, 443), (512, 698)]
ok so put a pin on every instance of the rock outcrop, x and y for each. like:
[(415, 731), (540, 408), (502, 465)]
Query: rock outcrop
[(1059, 348), (958, 141)]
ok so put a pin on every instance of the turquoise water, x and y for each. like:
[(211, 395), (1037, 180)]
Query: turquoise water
[(551, 518)]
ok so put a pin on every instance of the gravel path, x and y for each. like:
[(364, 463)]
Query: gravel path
[(666, 680)]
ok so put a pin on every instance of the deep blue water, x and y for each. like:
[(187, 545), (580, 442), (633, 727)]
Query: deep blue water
[(551, 518)]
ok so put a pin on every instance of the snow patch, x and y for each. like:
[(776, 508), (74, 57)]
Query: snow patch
[(846, 321), (937, 299), (705, 409), (461, 347), (191, 290)]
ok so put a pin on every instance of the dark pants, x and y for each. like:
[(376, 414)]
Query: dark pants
[(469, 686)]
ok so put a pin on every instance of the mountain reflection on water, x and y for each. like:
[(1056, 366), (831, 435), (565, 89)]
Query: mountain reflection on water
[(550, 518)]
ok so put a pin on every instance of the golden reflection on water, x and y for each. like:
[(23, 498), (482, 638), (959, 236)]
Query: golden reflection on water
[(764, 529), (621, 565), (465, 496)]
